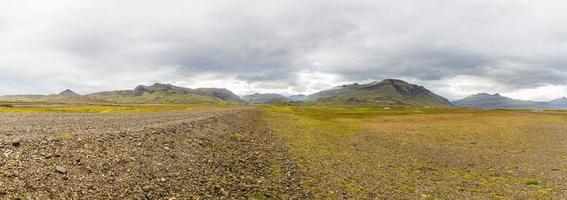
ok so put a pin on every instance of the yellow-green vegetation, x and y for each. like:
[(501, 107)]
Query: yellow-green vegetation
[(366, 153), (64, 136), (114, 108)]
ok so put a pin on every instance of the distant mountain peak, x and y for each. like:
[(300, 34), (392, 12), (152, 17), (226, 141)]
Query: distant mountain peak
[(68, 93), (162, 85)]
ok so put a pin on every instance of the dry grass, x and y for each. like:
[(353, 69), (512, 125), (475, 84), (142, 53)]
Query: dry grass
[(427, 153)]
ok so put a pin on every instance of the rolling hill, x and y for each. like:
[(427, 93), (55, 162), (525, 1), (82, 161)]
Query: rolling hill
[(389, 92), (64, 96)]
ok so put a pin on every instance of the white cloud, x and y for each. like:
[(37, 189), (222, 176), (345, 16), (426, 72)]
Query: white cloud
[(455, 48)]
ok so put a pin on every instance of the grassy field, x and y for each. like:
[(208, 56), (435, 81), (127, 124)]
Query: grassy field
[(426, 153)]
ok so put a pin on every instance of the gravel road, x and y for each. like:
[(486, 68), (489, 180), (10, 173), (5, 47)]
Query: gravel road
[(221, 154)]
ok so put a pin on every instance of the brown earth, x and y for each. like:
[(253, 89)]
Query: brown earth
[(223, 154)]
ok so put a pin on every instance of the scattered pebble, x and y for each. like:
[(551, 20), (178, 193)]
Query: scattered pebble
[(60, 169), (147, 188), (16, 142)]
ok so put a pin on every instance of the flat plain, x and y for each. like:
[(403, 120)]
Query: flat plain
[(281, 152), (368, 153)]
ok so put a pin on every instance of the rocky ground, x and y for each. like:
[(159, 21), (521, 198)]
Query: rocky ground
[(224, 154)]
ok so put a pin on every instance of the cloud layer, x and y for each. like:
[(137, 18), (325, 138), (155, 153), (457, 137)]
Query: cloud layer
[(455, 48)]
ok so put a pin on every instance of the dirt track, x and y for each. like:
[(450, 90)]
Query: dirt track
[(177, 155)]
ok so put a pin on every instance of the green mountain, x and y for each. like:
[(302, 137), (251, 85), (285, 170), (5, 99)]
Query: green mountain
[(389, 92), (167, 93)]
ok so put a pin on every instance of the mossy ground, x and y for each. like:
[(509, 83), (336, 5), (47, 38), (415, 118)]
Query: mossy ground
[(426, 153)]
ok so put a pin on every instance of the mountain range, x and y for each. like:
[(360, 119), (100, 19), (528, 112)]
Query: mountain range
[(167, 93), (492, 101), (387, 93), (155, 94)]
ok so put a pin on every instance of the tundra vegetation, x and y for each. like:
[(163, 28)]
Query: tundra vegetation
[(300, 151), (426, 153)]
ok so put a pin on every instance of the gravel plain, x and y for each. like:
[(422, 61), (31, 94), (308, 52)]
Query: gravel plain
[(221, 154)]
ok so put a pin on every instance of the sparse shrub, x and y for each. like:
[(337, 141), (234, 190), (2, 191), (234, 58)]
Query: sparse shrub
[(237, 137), (64, 136), (532, 182)]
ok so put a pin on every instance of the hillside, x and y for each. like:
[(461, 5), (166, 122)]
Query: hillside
[(484, 100), (388, 92)]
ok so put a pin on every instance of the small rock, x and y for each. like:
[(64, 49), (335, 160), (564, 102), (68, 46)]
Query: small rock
[(16, 142), (147, 188), (60, 169), (2, 163), (224, 192)]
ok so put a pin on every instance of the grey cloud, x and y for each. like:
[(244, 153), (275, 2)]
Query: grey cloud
[(267, 43)]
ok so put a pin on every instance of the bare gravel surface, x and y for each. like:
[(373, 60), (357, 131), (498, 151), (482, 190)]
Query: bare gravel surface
[(223, 154)]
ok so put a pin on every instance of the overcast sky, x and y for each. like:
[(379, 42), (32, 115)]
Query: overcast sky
[(453, 47)]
